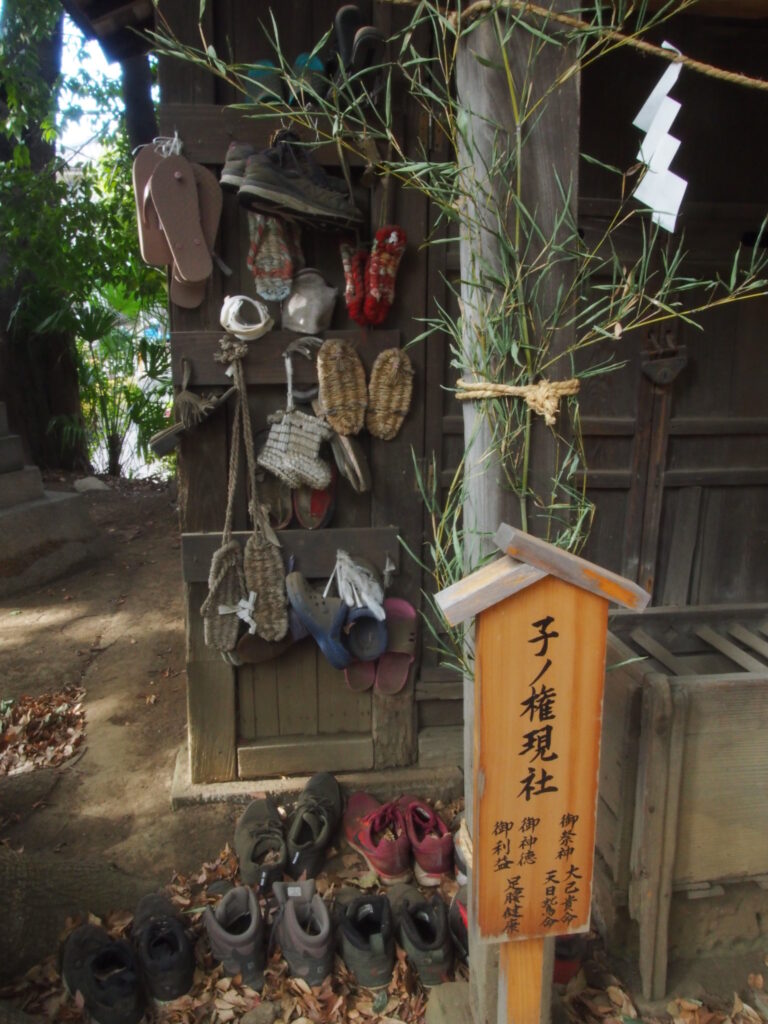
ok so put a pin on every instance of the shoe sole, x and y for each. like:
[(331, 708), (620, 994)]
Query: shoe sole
[(384, 879), (294, 202), (232, 181), (424, 877)]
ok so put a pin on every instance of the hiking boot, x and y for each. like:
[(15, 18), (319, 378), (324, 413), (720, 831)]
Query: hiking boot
[(377, 831), (236, 933), (367, 940), (234, 165), (104, 972), (260, 844), (458, 923), (286, 176), (314, 822), (164, 952), (430, 839), (302, 930), (421, 926)]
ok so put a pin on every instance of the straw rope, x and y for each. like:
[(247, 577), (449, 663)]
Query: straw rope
[(542, 398), (480, 7)]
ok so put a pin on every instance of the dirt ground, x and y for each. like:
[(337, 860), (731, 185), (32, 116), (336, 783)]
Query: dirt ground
[(117, 628)]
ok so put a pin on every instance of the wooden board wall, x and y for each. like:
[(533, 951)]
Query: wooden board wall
[(296, 696)]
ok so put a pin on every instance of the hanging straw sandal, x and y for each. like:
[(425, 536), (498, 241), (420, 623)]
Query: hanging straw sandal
[(389, 393), (341, 378), (190, 409)]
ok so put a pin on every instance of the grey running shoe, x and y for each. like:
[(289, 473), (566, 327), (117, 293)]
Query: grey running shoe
[(236, 932), (286, 176), (421, 926), (367, 940), (234, 165), (104, 972), (302, 930), (314, 822), (163, 949), (260, 844)]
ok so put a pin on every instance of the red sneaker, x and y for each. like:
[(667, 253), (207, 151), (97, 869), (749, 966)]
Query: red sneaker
[(377, 831), (430, 838)]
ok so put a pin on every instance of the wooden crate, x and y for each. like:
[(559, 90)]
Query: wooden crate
[(684, 765)]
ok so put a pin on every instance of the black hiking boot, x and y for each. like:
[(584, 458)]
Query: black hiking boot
[(313, 824), (421, 926), (367, 940), (104, 972)]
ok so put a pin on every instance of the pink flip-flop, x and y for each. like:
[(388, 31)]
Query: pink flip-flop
[(395, 663)]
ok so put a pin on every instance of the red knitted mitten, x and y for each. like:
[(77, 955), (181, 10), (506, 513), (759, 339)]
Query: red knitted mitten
[(386, 253)]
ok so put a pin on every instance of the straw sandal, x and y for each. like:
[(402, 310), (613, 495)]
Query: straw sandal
[(341, 379), (389, 393)]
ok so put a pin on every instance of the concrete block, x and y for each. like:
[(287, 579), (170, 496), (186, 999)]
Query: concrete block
[(449, 1004), (20, 485), (3, 420), (11, 453)]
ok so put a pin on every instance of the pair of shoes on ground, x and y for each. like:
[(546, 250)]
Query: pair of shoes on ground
[(267, 850), (388, 834), (284, 180), (114, 979), (369, 277), (178, 208)]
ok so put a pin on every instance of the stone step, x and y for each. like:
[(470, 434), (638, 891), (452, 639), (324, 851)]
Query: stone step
[(42, 539), (20, 485), (3, 420), (11, 453)]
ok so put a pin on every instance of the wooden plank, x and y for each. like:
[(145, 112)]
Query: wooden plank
[(202, 472), (570, 568), (658, 651), (264, 362), (648, 832), (717, 476), (441, 745), (717, 426), (730, 650), (339, 709), (749, 639), (527, 772), (207, 129), (314, 551), (523, 979), (211, 721), (295, 755), (485, 587), (633, 525), (607, 838), (448, 690), (654, 494), (194, 595), (608, 426), (181, 81), (246, 704), (258, 706), (297, 691), (677, 568), (431, 713)]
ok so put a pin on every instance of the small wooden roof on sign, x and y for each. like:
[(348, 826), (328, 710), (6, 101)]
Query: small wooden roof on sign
[(527, 560)]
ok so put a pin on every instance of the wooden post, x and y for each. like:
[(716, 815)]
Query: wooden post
[(539, 669)]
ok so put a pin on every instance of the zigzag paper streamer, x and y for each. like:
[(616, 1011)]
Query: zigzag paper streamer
[(660, 189)]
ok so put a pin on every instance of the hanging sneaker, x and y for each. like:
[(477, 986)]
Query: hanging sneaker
[(236, 933), (430, 839), (377, 831), (234, 165), (367, 940), (314, 822), (458, 923), (104, 973), (421, 927), (260, 844), (163, 949), (302, 930)]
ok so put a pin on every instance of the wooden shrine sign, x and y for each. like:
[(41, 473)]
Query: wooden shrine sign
[(542, 618)]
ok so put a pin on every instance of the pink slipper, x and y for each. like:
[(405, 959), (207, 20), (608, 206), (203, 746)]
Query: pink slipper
[(360, 675), (395, 663)]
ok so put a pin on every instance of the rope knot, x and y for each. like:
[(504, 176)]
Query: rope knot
[(543, 397)]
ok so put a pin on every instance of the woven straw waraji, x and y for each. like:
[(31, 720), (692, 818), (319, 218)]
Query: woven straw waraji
[(389, 393), (292, 447), (342, 392), (265, 577), (226, 586)]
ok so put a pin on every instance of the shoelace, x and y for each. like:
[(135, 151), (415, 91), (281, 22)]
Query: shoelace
[(387, 816)]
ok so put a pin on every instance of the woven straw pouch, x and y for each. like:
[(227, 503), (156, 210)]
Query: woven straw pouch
[(265, 576), (292, 447), (226, 587), (342, 392), (389, 393)]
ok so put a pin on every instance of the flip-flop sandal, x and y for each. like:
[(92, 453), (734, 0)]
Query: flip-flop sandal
[(276, 495), (190, 295), (366, 636), (346, 23), (264, 84), (360, 675), (394, 665), (152, 242), (186, 294), (323, 618), (314, 509), (173, 187)]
